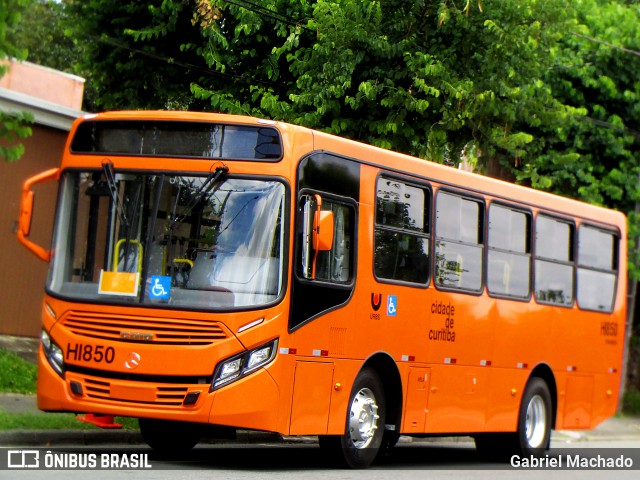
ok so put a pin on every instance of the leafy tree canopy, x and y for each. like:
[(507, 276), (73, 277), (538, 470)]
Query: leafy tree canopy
[(13, 126), (543, 93)]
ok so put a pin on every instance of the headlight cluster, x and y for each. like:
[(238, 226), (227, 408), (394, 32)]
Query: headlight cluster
[(53, 353), (243, 364)]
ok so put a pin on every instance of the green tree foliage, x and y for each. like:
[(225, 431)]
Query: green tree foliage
[(597, 72), (41, 32), (541, 92), (595, 154), (544, 93), (436, 79), (13, 126), (137, 55)]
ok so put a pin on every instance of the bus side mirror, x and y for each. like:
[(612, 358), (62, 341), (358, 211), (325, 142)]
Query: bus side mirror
[(323, 230), (317, 233), (26, 213)]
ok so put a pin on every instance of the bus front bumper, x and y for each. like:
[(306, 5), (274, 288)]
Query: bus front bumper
[(251, 402)]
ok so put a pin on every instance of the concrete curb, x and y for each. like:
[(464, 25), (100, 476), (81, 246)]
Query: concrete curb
[(59, 438), (52, 438)]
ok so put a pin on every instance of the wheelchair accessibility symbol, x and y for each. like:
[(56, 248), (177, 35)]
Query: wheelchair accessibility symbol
[(160, 288), (392, 305)]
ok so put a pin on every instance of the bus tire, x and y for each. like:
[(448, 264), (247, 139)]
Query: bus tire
[(169, 437), (534, 420), (359, 445), (534, 428)]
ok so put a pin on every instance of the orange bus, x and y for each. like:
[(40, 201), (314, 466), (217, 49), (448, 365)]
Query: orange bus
[(211, 272)]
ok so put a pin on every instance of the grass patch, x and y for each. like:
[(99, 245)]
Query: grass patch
[(631, 402), (41, 421), (54, 421), (18, 375)]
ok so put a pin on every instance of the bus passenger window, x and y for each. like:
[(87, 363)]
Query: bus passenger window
[(554, 261), (597, 269), (509, 261), (401, 250), (459, 242)]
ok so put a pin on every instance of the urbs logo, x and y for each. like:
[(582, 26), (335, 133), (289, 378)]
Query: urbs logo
[(376, 301)]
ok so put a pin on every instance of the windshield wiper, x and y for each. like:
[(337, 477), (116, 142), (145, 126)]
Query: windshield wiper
[(209, 186), (107, 168)]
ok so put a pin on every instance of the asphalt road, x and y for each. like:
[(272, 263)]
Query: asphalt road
[(286, 461)]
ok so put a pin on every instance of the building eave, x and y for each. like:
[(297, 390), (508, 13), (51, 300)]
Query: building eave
[(45, 113)]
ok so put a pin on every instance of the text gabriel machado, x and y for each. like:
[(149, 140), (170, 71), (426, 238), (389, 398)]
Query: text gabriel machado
[(572, 461)]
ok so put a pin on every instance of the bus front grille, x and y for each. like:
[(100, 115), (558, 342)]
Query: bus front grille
[(137, 329), (141, 389), (164, 396)]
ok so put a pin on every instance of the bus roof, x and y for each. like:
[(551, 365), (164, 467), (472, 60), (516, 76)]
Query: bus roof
[(397, 163)]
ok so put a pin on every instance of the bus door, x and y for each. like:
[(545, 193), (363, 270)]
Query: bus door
[(323, 283)]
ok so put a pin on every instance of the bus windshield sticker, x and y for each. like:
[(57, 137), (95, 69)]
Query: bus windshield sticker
[(392, 305), (160, 287), (119, 283)]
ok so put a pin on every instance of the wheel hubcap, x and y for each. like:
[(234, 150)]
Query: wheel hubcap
[(363, 418), (536, 422)]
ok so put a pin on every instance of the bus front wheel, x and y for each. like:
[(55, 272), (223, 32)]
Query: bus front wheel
[(169, 437), (362, 439)]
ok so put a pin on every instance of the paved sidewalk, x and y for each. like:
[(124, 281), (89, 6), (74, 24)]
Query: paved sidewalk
[(26, 347)]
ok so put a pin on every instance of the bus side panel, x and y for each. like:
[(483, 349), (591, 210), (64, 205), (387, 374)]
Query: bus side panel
[(507, 386), (457, 400), (605, 397), (588, 400), (311, 397), (344, 376), (460, 338), (416, 396), (578, 401)]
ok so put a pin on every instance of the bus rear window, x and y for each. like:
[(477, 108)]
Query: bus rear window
[(597, 268), (178, 139)]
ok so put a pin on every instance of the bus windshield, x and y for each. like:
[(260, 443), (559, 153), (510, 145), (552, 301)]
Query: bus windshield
[(201, 242)]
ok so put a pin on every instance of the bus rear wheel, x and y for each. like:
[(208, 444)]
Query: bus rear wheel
[(534, 427), (169, 437), (534, 422), (359, 445)]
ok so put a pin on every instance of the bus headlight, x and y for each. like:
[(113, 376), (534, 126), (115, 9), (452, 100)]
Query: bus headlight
[(53, 352), (238, 366)]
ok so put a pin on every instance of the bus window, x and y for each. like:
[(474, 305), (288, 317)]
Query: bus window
[(401, 250), (459, 243), (597, 259), (554, 261), (153, 138), (509, 260)]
